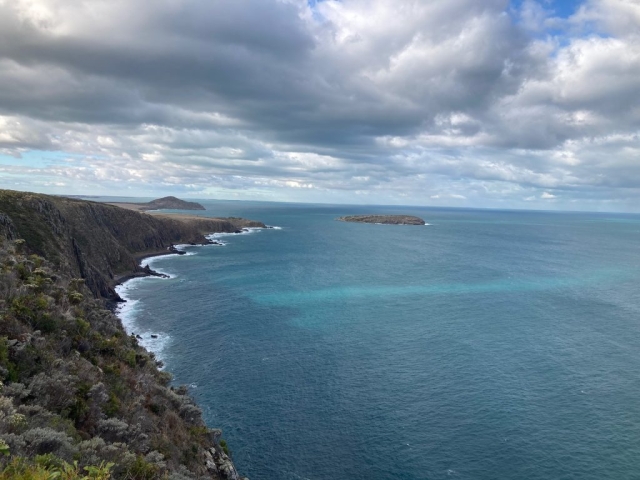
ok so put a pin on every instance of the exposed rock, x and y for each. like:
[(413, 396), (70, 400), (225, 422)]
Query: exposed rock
[(224, 466), (7, 229), (146, 270), (175, 250)]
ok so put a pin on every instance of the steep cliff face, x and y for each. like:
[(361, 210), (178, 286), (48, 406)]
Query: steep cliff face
[(95, 241), (74, 386)]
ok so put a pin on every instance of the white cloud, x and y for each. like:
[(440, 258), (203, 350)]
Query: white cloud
[(454, 196)]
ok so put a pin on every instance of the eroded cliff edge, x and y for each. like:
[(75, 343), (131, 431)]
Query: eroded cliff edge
[(75, 386)]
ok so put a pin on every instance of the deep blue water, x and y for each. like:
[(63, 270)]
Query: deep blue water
[(488, 345)]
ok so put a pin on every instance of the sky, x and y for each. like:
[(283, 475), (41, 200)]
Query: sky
[(494, 104)]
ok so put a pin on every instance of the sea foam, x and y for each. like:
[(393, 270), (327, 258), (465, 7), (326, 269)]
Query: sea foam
[(129, 310), (215, 237), (149, 262)]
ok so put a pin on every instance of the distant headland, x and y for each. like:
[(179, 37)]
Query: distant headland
[(165, 203), (384, 219)]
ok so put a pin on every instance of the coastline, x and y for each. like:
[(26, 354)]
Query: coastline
[(155, 342), (125, 277), (122, 305), (73, 253), (145, 271)]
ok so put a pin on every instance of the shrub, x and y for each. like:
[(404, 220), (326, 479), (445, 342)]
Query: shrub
[(82, 326), (181, 474), (113, 430), (130, 358), (55, 392), (75, 298), (225, 447), (9, 371), (4, 448), (113, 405), (33, 309), (49, 468), (46, 440), (142, 470), (37, 261)]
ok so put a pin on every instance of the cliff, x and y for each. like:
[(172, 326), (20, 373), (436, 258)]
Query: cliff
[(74, 386), (384, 219), (98, 242)]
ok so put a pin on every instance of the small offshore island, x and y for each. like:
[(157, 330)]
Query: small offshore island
[(384, 219)]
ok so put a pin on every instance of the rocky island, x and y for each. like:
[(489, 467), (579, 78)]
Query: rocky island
[(77, 393), (164, 203), (384, 219)]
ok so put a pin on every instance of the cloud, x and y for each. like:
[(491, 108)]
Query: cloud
[(454, 196), (404, 102), (547, 196)]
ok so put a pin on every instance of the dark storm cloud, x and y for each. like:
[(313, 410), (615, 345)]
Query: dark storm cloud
[(256, 61), (412, 97)]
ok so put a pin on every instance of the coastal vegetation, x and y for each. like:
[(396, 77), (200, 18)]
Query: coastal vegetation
[(79, 398)]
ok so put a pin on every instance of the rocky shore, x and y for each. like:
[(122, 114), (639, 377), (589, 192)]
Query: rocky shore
[(146, 271)]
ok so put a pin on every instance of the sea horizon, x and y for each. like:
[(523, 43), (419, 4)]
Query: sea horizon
[(213, 201)]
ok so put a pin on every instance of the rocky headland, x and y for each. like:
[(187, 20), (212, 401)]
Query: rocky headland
[(75, 387), (102, 243), (384, 219)]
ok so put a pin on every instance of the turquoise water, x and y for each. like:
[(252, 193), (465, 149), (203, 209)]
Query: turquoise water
[(487, 345)]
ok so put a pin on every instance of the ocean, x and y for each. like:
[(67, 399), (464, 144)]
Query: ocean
[(485, 345)]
